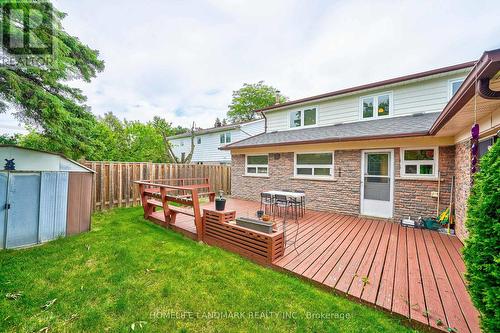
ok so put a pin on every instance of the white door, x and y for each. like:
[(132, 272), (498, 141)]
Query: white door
[(377, 180)]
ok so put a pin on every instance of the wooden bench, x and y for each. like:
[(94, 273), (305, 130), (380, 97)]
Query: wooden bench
[(156, 195)]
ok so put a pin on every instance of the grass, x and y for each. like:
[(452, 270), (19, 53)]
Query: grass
[(130, 275)]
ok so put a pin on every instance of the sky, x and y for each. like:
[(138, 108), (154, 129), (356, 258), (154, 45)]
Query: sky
[(182, 60)]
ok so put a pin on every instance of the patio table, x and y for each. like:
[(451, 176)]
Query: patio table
[(296, 195)]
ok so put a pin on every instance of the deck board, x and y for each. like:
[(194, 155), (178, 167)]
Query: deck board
[(400, 298), (360, 278), (418, 274)]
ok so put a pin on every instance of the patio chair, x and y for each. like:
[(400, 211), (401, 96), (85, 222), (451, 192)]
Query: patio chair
[(302, 201), (296, 207), (280, 204), (266, 202)]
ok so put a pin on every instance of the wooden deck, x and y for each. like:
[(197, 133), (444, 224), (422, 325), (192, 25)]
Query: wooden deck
[(416, 274)]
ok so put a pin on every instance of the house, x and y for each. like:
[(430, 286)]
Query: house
[(390, 149), (207, 141)]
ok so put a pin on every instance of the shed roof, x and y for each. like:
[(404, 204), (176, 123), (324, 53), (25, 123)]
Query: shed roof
[(36, 163), (411, 125)]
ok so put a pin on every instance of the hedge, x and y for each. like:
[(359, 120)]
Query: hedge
[(482, 248)]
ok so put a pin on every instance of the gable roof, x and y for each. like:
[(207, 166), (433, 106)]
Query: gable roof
[(410, 125), (372, 85), (213, 129)]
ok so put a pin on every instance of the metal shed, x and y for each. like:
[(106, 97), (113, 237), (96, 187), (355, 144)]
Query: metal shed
[(43, 196)]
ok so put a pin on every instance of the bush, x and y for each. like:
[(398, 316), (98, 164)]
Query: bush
[(482, 248)]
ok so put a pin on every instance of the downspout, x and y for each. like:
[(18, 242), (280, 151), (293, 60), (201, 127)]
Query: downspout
[(265, 121)]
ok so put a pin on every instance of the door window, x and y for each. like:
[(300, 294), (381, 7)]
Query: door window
[(377, 181)]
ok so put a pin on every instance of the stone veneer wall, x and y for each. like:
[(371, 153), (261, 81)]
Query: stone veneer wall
[(462, 186), (413, 197), (342, 195)]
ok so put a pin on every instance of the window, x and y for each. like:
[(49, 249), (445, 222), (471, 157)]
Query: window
[(302, 118), (198, 141), (419, 162), (314, 165), (182, 143), (453, 86), (375, 106), (485, 145), (257, 165), (225, 137)]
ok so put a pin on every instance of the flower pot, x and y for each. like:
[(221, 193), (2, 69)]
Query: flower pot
[(220, 204)]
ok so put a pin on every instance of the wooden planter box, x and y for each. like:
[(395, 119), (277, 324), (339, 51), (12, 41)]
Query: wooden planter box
[(261, 247)]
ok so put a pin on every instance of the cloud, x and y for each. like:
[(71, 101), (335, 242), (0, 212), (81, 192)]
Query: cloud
[(182, 59)]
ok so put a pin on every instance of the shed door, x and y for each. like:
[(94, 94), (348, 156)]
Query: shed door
[(24, 200), (4, 179), (53, 203)]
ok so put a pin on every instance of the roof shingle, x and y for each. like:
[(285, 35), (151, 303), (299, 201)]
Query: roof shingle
[(411, 125)]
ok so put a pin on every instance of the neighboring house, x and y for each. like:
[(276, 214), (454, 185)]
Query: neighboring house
[(388, 149), (207, 141)]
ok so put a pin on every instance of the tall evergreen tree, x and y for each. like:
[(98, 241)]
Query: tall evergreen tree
[(35, 86)]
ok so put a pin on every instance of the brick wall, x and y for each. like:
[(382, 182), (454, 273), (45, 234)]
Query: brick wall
[(340, 195), (462, 186), (411, 197)]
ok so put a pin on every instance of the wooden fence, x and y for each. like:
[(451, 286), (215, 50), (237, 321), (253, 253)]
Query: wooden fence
[(114, 181)]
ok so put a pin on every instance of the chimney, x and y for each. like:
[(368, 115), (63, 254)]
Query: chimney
[(277, 96)]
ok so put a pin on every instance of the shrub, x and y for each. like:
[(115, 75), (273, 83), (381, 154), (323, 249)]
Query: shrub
[(482, 248)]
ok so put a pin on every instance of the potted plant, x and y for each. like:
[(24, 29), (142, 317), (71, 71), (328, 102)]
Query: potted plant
[(220, 202)]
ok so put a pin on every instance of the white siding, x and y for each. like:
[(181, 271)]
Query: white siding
[(208, 151), (429, 95), (253, 128)]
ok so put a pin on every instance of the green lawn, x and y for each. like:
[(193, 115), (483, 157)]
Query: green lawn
[(128, 271)]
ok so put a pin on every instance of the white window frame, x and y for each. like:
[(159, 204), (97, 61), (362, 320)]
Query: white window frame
[(313, 166), (302, 117), (225, 138), (375, 105), (198, 140), (450, 86), (256, 166), (435, 163)]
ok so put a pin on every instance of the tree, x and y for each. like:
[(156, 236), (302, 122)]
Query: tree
[(482, 247), (166, 130), (217, 123), (36, 87), (6, 139), (224, 122), (252, 97)]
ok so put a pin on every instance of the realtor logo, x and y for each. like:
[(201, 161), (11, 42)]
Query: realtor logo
[(26, 27)]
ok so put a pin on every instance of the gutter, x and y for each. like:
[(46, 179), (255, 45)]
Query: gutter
[(265, 121), (486, 67)]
